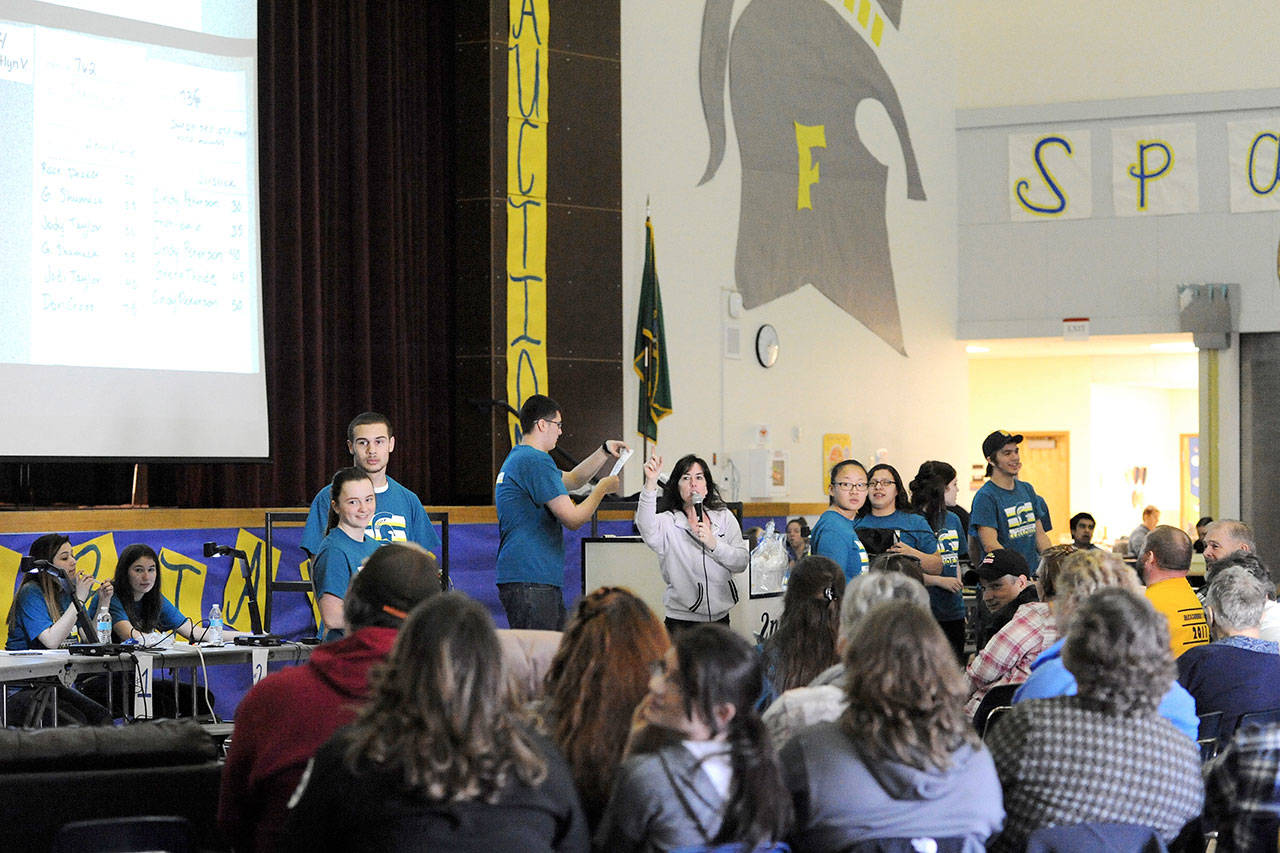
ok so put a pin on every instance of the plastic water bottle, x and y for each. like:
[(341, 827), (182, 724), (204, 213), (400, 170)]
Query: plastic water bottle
[(214, 634), (104, 625)]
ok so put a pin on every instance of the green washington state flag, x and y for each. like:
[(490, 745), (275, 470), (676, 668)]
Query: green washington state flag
[(651, 347)]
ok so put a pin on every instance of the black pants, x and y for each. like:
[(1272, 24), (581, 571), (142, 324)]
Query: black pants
[(32, 706), (675, 626), (954, 631)]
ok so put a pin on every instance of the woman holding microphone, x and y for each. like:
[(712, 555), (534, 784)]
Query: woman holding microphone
[(697, 539)]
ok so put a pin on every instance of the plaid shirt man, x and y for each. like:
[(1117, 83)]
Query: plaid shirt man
[(1007, 658), (1241, 786)]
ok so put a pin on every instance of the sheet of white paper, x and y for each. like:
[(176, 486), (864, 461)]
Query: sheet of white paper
[(622, 460)]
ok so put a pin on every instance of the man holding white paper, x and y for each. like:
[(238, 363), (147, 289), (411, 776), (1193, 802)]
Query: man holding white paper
[(532, 498)]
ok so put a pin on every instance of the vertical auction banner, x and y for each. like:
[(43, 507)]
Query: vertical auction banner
[(526, 266)]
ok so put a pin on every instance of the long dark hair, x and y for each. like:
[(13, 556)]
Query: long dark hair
[(669, 500), (900, 501), (598, 677), (438, 715), (340, 479), (906, 694), (145, 612), (717, 666), (805, 643), (45, 547), (929, 492)]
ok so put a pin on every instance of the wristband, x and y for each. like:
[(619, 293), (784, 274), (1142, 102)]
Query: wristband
[(604, 445)]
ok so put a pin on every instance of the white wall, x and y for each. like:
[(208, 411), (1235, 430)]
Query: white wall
[(1057, 51), (1121, 411), (833, 374)]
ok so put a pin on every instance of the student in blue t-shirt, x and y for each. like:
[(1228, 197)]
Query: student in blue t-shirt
[(345, 547), (888, 508), (833, 535), (932, 491), (139, 609), (1007, 513), (398, 515), (531, 495)]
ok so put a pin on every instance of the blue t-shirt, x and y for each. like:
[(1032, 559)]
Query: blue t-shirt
[(833, 537), (1050, 677), (949, 606), (339, 559), (912, 529), (531, 546), (1013, 514), (398, 517), (32, 618), (169, 618)]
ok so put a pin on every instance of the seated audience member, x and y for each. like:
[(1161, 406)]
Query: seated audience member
[(825, 697), (1226, 535), (1104, 755), (1138, 538), (1269, 626), (903, 564), (1242, 790), (805, 643), (43, 616), (139, 610), (598, 677), (1007, 656), (1202, 527), (1084, 573), (902, 761), (933, 491), (1082, 526), (345, 546), (701, 769), (1164, 560), (1004, 584), (438, 759), (1238, 672), (797, 541), (285, 718)]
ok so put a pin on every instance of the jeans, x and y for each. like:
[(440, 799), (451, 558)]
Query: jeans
[(533, 605)]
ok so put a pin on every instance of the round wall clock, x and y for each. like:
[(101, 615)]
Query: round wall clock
[(767, 345)]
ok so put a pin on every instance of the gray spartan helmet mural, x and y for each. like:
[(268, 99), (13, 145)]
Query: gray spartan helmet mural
[(813, 196)]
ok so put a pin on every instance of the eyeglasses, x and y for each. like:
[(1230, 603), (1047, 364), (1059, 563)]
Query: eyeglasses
[(851, 487), (880, 484), (559, 424)]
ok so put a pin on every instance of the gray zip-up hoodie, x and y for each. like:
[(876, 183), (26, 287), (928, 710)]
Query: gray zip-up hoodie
[(680, 557), (661, 800)]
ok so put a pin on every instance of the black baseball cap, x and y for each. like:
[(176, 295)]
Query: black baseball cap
[(996, 565), (991, 444)]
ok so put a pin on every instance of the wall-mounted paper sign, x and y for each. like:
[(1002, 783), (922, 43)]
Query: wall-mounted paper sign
[(1050, 175), (1153, 170)]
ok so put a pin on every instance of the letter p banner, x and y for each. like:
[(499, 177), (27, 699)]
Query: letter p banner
[(1144, 171)]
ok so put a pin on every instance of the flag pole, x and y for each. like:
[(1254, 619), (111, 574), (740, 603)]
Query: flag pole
[(648, 362)]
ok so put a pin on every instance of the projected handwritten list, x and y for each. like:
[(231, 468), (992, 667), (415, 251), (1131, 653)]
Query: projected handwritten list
[(141, 213)]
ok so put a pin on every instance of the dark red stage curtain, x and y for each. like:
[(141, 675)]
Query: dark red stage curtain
[(356, 165)]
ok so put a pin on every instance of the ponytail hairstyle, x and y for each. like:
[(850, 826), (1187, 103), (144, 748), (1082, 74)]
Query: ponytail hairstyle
[(717, 666), (805, 643), (145, 612), (929, 492), (835, 472), (340, 479)]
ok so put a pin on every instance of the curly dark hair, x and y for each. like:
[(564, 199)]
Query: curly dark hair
[(903, 564), (1118, 649), (906, 693), (805, 643), (597, 678), (929, 492), (438, 714)]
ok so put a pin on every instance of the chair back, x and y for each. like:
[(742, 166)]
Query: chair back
[(125, 835), (1209, 734), (995, 714), (919, 844), (996, 697), (1259, 718), (1109, 837)]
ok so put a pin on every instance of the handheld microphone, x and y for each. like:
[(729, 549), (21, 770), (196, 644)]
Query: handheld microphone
[(697, 506)]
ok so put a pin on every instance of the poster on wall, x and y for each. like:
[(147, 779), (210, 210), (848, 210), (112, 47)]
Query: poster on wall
[(1253, 156), (836, 447), (1050, 175), (1153, 170)]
